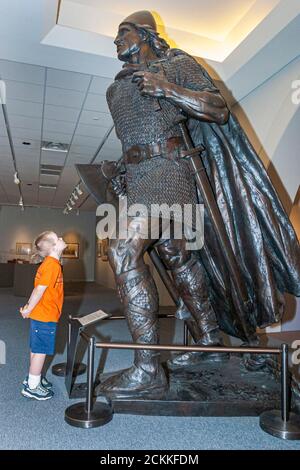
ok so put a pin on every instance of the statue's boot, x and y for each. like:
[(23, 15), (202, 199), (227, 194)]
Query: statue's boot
[(192, 358), (140, 300), (191, 284), (257, 362)]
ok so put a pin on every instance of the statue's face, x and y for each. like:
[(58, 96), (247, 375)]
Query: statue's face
[(128, 42)]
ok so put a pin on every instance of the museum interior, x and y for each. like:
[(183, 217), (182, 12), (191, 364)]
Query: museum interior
[(236, 89)]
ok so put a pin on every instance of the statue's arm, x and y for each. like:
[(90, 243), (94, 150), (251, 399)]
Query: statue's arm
[(204, 105)]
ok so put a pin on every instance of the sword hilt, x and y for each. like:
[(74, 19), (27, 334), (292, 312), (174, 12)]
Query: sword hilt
[(181, 119), (195, 151)]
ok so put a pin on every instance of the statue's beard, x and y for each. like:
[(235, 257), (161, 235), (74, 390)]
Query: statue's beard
[(126, 55)]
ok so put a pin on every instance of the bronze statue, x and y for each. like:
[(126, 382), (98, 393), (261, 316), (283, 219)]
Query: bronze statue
[(156, 84)]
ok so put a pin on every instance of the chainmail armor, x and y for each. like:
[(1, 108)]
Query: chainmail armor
[(136, 118)]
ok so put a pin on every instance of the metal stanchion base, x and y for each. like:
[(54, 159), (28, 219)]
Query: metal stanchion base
[(272, 423), (60, 369), (76, 415)]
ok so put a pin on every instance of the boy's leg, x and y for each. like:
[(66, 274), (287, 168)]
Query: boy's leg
[(42, 342), (36, 365)]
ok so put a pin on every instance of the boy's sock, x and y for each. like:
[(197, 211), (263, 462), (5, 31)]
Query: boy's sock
[(33, 381)]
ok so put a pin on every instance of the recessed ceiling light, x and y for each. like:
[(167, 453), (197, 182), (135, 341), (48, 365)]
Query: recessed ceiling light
[(26, 143), (47, 186), (79, 191)]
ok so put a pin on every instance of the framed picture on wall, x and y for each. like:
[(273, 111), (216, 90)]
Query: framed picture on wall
[(72, 251), (23, 248)]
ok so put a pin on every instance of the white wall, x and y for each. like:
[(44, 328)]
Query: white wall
[(272, 122), (17, 226)]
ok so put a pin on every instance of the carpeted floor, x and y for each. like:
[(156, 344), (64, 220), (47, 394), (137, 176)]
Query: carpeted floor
[(26, 424)]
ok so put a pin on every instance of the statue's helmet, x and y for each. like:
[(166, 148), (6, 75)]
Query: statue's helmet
[(141, 19)]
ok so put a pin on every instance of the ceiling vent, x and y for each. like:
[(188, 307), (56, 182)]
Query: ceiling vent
[(51, 170), (55, 146)]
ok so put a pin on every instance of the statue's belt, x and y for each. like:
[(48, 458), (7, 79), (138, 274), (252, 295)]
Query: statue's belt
[(167, 149)]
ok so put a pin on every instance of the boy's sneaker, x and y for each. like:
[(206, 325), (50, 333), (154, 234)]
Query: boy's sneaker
[(44, 382), (39, 393)]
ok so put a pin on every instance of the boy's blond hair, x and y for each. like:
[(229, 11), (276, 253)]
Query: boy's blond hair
[(44, 243)]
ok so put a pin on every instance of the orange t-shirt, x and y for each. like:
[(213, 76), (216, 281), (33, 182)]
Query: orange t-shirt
[(50, 306)]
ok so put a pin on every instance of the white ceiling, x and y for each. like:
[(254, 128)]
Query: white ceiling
[(214, 19), (53, 105), (211, 29), (56, 75)]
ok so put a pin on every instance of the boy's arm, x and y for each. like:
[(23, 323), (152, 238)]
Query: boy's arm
[(35, 297)]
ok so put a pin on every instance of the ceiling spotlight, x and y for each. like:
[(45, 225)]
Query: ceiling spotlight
[(71, 200), (74, 195), (69, 206), (79, 191), (16, 178)]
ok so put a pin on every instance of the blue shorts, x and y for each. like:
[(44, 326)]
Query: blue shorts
[(42, 337)]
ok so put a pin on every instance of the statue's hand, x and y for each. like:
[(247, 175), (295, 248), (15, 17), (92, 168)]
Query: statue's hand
[(150, 84), (118, 185)]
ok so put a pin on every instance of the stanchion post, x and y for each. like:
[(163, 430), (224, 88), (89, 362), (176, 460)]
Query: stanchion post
[(90, 375), (87, 414), (185, 334), (69, 333), (282, 423), (285, 382)]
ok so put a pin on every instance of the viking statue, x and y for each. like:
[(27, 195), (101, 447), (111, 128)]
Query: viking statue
[(155, 84)]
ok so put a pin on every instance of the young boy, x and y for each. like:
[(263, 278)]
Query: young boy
[(44, 310)]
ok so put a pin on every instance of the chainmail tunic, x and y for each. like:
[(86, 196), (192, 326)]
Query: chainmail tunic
[(159, 180)]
